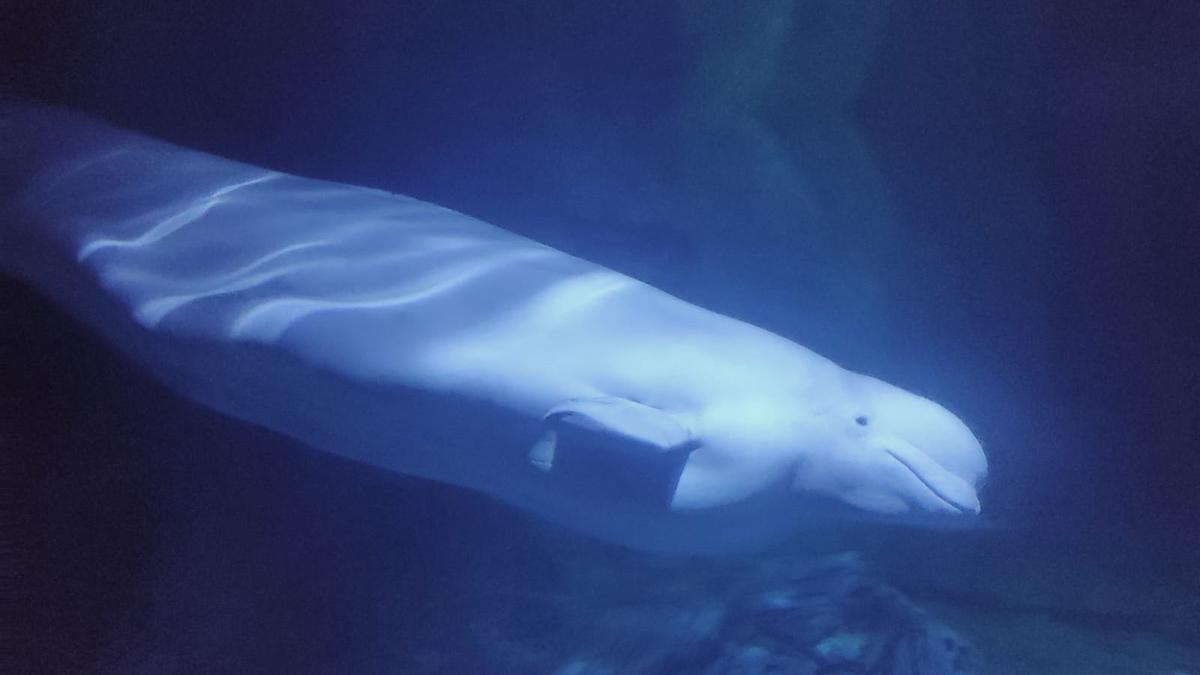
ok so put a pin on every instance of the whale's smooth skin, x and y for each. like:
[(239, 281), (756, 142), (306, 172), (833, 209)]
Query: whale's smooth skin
[(412, 337)]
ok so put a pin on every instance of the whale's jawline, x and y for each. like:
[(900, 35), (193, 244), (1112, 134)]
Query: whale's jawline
[(929, 484)]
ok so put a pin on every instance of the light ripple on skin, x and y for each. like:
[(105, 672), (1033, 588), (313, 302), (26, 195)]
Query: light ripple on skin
[(54, 180), (571, 296), (266, 321), (171, 224), (152, 312)]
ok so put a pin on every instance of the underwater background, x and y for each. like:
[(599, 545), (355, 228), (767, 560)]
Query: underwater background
[(995, 205)]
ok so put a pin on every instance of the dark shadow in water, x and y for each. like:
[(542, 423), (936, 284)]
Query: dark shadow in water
[(155, 536)]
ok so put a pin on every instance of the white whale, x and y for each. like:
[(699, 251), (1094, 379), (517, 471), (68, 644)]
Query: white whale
[(411, 337)]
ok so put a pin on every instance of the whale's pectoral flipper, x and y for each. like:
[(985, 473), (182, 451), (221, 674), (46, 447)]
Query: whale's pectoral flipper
[(615, 444)]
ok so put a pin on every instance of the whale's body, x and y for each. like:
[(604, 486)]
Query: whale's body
[(412, 337)]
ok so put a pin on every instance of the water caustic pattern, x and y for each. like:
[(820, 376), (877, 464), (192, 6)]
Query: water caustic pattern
[(248, 254)]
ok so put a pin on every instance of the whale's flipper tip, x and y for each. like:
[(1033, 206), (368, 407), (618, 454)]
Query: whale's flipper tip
[(541, 455)]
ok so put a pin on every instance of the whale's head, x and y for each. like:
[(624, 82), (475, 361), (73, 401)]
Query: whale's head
[(886, 450), (779, 451), (837, 439)]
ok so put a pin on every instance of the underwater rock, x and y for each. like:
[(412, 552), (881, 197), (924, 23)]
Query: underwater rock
[(789, 616)]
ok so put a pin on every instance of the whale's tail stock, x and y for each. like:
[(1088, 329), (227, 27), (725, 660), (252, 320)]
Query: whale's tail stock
[(44, 191), (45, 197), (18, 160), (29, 133), (25, 132), (15, 116)]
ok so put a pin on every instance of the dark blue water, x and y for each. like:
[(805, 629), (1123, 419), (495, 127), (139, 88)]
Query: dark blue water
[(992, 204)]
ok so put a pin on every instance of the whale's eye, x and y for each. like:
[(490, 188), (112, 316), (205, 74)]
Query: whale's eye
[(862, 420)]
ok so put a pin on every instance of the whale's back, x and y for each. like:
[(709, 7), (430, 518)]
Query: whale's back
[(199, 247)]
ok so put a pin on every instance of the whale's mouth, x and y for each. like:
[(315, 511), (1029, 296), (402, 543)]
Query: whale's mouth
[(948, 488)]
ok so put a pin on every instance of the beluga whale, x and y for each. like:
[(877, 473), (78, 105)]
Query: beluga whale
[(411, 337)]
